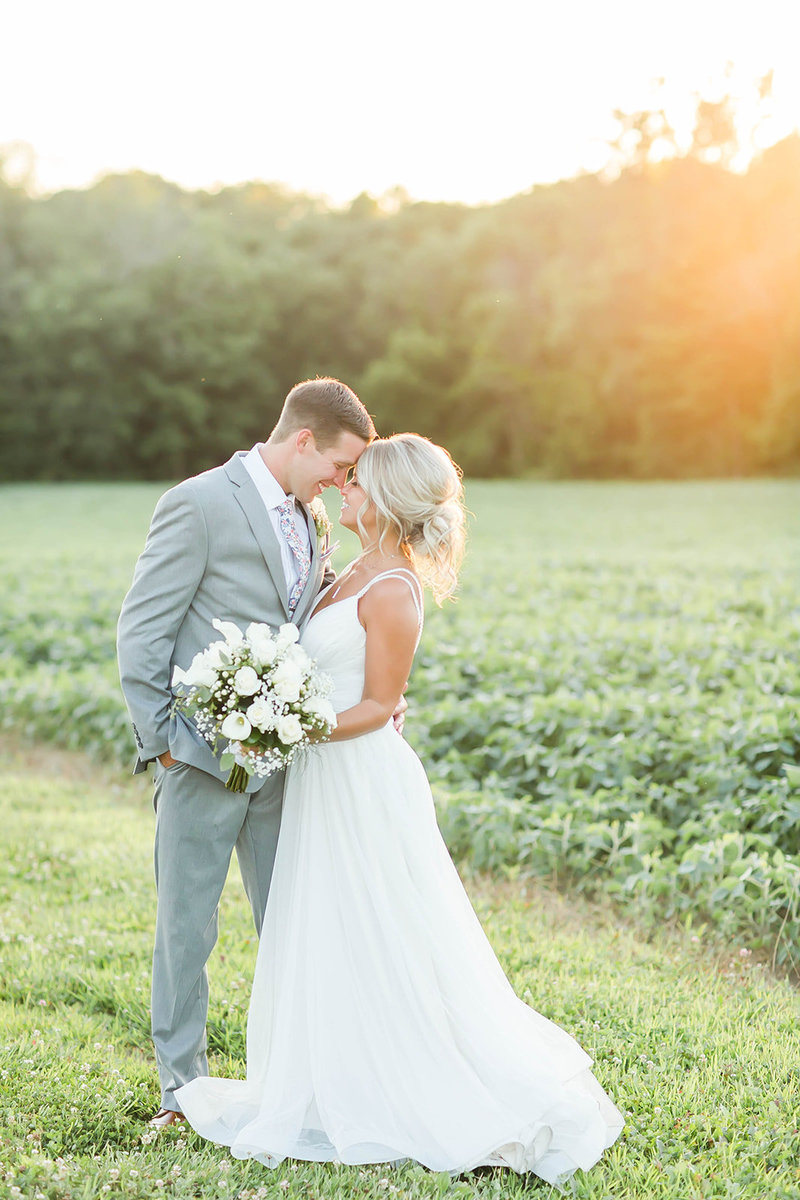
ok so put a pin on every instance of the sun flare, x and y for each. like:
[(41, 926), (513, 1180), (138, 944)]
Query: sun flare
[(446, 101)]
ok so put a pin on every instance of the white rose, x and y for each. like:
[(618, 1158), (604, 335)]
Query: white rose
[(261, 643), (318, 706), (246, 681), (257, 629), (286, 682), (286, 635), (236, 727), (297, 655), (261, 715), (232, 633), (289, 729)]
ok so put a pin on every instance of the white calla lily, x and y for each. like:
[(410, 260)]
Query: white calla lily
[(199, 674), (217, 655), (232, 633), (236, 727)]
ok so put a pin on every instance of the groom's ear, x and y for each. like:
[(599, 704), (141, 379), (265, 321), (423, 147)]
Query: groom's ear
[(304, 440)]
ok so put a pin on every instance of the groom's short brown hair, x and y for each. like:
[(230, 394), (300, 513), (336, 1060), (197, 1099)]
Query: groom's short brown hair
[(328, 408)]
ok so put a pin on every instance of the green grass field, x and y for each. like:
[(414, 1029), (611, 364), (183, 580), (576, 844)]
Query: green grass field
[(608, 714), (698, 1044)]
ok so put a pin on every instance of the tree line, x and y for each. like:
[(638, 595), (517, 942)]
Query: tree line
[(643, 326)]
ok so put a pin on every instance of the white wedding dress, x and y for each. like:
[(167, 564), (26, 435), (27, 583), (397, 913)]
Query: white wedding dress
[(381, 1025)]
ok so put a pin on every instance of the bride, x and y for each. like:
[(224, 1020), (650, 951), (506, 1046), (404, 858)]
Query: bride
[(381, 1025)]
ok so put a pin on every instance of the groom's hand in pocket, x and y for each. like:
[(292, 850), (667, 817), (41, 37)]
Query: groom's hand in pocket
[(167, 760)]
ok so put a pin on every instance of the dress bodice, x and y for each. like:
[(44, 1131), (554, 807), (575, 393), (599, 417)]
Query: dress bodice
[(335, 637)]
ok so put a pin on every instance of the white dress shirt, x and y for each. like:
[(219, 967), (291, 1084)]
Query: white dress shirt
[(273, 495)]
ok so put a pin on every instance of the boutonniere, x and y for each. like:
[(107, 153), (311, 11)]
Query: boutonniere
[(322, 524), (321, 519)]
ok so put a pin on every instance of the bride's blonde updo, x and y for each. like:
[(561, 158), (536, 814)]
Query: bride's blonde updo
[(416, 490)]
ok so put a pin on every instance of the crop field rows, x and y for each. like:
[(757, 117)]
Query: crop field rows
[(612, 703), (610, 706)]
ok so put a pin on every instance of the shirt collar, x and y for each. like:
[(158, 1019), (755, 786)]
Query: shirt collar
[(269, 489)]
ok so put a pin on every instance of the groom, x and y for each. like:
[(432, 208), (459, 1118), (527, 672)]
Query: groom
[(238, 543)]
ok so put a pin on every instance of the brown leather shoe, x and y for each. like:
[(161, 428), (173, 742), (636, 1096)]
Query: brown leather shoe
[(166, 1117)]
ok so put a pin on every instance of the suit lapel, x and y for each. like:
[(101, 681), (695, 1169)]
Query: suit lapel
[(257, 516)]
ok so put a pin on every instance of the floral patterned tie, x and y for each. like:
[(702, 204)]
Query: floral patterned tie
[(289, 531)]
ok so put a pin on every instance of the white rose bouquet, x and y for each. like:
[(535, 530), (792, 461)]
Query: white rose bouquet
[(262, 692)]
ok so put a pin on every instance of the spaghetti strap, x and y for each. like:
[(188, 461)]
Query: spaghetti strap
[(409, 577)]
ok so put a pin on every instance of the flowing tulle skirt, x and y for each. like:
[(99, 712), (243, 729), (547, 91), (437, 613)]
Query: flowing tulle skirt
[(381, 1025)]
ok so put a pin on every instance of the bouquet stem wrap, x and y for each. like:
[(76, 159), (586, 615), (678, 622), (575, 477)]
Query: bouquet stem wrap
[(237, 780)]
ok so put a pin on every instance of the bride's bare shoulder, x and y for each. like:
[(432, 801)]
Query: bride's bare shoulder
[(395, 599)]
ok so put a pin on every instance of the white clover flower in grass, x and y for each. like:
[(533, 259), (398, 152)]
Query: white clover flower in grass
[(246, 681), (236, 727)]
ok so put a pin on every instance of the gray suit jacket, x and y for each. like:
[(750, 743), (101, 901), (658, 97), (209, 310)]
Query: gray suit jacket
[(211, 552)]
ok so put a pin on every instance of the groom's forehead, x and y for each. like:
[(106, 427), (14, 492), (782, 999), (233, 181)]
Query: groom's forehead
[(346, 450)]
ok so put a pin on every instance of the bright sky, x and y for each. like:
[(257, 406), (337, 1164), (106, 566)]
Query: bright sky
[(466, 100)]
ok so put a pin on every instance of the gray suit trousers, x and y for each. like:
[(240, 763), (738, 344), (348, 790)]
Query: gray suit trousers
[(198, 825)]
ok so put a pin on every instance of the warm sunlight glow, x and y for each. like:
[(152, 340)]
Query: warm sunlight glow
[(451, 101)]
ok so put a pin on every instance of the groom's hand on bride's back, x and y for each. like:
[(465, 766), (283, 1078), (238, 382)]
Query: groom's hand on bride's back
[(399, 714)]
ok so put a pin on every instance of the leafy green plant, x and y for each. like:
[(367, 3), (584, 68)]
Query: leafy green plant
[(611, 703)]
